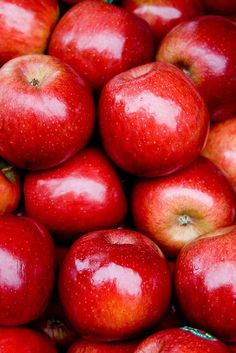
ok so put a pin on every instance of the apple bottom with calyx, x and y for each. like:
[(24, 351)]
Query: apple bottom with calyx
[(206, 282), (108, 288), (24, 340), (178, 208), (82, 346), (181, 340)]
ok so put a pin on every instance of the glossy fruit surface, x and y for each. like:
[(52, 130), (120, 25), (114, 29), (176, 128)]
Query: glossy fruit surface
[(206, 282), (27, 268), (108, 272), (198, 49), (9, 188), (83, 346), (82, 195), (46, 112), (163, 15), (100, 40), (181, 340), (152, 120), (25, 26), (221, 148), (178, 208), (24, 340)]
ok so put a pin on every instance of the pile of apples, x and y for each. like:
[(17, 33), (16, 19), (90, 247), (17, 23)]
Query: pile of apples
[(117, 176)]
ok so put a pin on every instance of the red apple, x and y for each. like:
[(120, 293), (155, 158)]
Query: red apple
[(24, 340), (181, 340), (54, 324), (203, 48), (220, 7), (27, 268), (82, 195), (25, 27), (114, 284), (163, 15), (206, 282), (152, 120), (232, 347), (9, 188), (176, 209), (100, 40), (82, 346), (46, 112), (221, 148)]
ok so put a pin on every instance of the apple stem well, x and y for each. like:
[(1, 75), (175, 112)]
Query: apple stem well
[(184, 220)]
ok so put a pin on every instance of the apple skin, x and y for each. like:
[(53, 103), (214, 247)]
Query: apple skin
[(152, 120), (82, 346), (163, 15), (25, 27), (221, 148), (24, 340), (197, 47), (27, 264), (108, 272), (9, 188), (100, 40), (206, 282), (82, 195), (181, 340), (220, 7), (178, 208), (46, 112)]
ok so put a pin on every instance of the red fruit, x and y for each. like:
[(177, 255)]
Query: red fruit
[(206, 282), (54, 324), (27, 268), (232, 347), (163, 15), (100, 40), (181, 340), (179, 208), (9, 188), (25, 27), (198, 49), (114, 284), (221, 148), (46, 112), (83, 346), (152, 120), (24, 340), (82, 195)]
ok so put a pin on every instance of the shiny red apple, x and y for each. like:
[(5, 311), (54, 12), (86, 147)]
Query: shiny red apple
[(100, 40), (25, 27), (221, 148), (24, 340), (9, 188), (152, 120), (79, 196), (82, 346), (178, 208), (27, 268), (46, 112), (206, 282), (163, 15), (203, 48), (181, 340), (114, 284)]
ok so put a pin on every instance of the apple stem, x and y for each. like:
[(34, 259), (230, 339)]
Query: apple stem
[(184, 220), (34, 82)]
